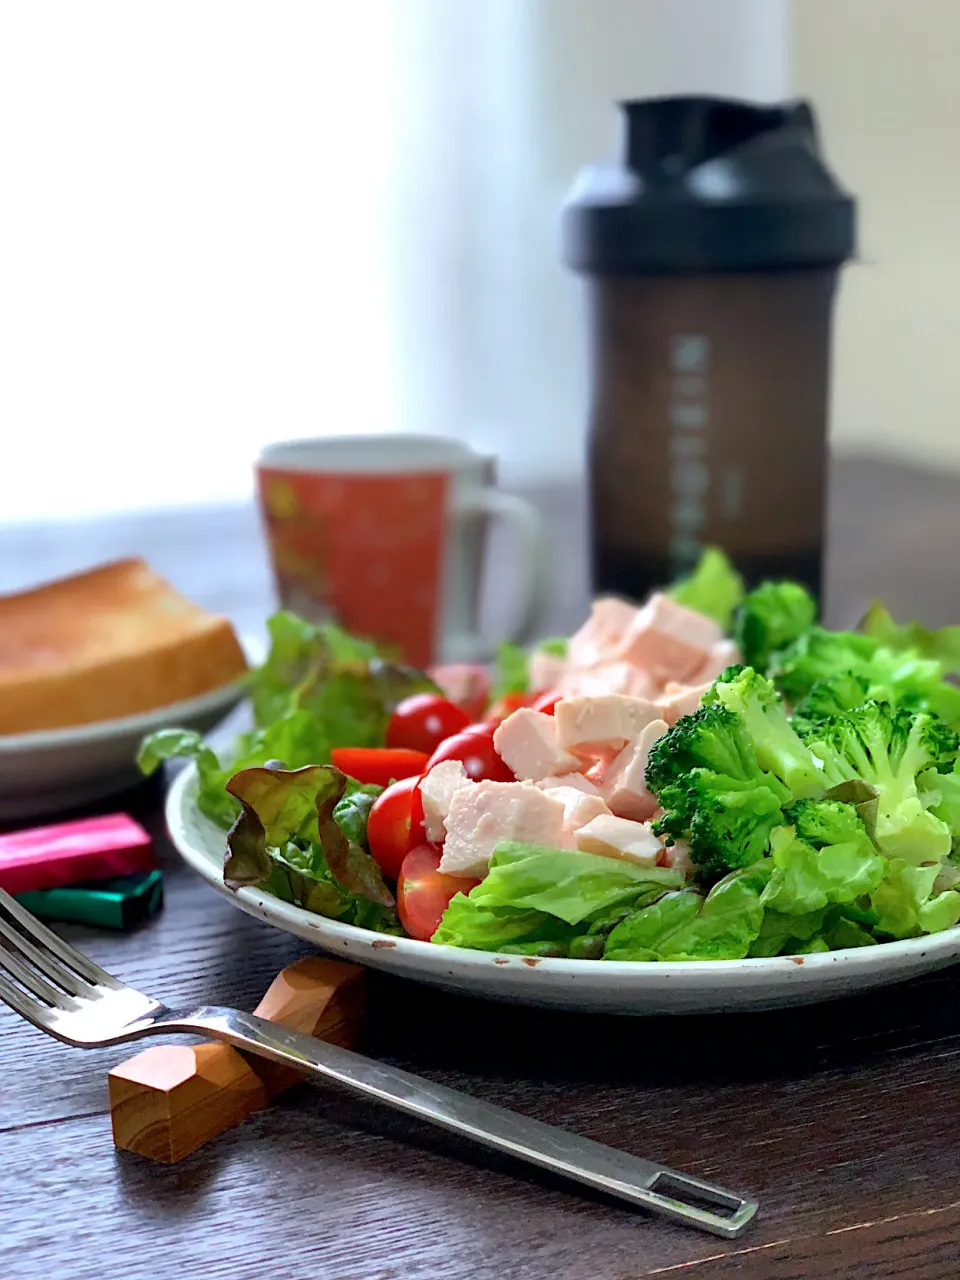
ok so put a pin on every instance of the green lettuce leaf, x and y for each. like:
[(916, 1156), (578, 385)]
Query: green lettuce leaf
[(352, 811), (806, 879), (830, 929), (906, 905), (515, 931), (289, 842), (565, 883), (510, 672), (941, 644), (644, 934), (940, 793), (782, 934), (842, 932), (729, 919), (291, 659), (173, 744), (319, 688), (714, 588), (811, 947), (556, 646), (684, 926), (537, 900), (467, 923)]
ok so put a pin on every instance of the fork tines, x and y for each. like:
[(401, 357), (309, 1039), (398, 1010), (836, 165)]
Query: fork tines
[(39, 972)]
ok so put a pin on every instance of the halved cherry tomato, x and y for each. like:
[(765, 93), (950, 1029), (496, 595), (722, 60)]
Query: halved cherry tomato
[(422, 721), (547, 703), (424, 892), (466, 684), (477, 754), (395, 824), (378, 764)]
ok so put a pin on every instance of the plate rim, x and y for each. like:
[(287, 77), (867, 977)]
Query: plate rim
[(223, 696), (718, 974)]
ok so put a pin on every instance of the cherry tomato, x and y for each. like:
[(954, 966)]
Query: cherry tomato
[(510, 702), (466, 684), (478, 756), (421, 722), (378, 764), (547, 703), (395, 824), (424, 892), (482, 728)]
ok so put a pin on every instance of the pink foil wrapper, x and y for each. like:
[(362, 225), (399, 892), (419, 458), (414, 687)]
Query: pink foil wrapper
[(70, 852)]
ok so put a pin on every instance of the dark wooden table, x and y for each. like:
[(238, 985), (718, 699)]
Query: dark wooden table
[(842, 1118)]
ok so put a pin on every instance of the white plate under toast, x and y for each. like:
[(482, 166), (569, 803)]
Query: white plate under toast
[(54, 769), (583, 985)]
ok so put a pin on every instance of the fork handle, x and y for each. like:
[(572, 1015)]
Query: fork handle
[(640, 1182)]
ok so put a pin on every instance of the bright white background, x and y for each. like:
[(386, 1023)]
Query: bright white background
[(227, 222)]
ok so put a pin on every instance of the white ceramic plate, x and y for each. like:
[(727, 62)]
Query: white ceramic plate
[(598, 986), (45, 772)]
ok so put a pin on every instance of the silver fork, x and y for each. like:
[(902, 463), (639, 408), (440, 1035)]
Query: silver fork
[(66, 995)]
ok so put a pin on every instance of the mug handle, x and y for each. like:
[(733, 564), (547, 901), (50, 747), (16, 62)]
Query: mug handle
[(531, 553)]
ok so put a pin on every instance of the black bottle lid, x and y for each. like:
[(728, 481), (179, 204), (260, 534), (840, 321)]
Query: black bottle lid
[(709, 185)]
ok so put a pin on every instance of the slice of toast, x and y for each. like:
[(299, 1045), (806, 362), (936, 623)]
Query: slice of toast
[(111, 642)]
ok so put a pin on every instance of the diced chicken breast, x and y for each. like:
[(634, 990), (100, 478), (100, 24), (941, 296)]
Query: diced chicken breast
[(620, 838), (527, 742), (668, 640), (597, 728), (577, 780), (608, 677), (678, 857), (681, 700), (546, 670), (488, 812), (624, 784), (579, 808), (437, 790), (722, 655), (601, 634)]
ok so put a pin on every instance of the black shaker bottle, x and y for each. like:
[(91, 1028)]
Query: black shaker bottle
[(712, 252)]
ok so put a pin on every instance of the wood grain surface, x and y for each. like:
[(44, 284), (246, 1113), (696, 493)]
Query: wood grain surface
[(841, 1118)]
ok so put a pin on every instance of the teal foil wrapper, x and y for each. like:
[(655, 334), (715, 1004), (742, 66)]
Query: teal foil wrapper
[(121, 903)]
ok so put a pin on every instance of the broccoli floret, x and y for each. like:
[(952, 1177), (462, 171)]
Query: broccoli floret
[(832, 696), (943, 699), (771, 617), (706, 776), (820, 654), (778, 747), (711, 738), (907, 679), (823, 822), (904, 678), (888, 749), (710, 698), (677, 802), (730, 820)]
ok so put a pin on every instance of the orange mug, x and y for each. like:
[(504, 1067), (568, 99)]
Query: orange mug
[(385, 535)]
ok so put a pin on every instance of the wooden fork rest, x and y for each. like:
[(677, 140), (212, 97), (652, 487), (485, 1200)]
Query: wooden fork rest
[(169, 1100)]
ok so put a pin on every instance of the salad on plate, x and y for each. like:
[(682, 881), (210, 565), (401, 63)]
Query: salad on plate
[(713, 775)]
